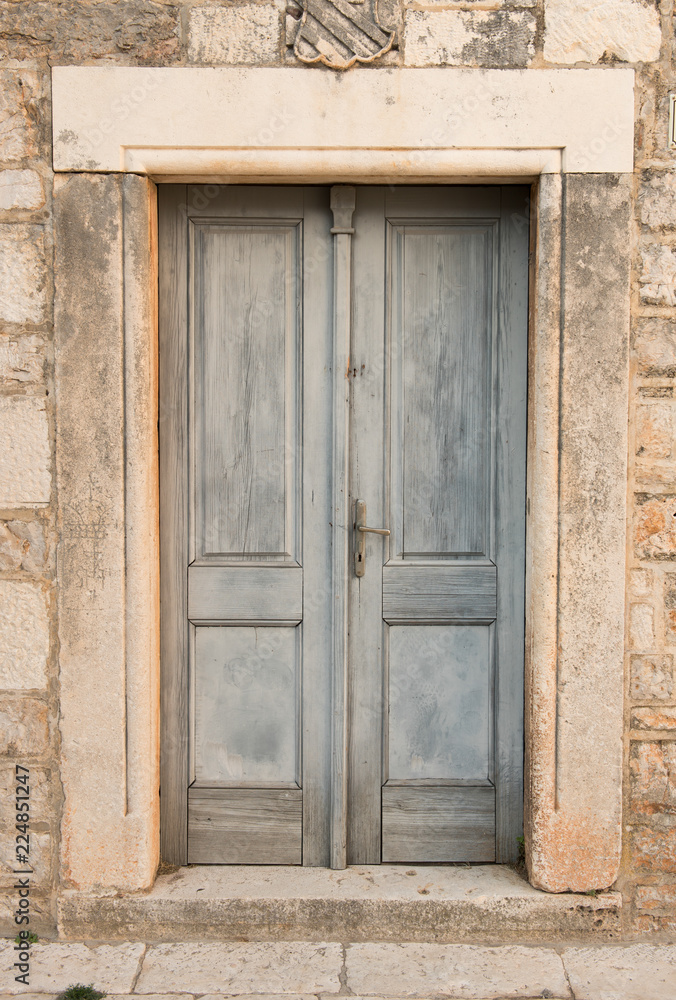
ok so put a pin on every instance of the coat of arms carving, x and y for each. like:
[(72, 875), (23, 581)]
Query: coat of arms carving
[(340, 33)]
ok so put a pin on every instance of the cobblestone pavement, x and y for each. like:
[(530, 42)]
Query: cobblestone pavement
[(303, 970)]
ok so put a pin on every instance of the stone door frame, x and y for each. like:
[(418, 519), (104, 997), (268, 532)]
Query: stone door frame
[(107, 163)]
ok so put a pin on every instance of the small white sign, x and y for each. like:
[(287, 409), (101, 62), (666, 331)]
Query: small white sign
[(672, 121)]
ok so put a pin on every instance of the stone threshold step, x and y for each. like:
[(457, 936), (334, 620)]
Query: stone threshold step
[(432, 903)]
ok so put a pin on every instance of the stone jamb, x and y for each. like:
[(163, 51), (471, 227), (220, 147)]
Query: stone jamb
[(569, 846)]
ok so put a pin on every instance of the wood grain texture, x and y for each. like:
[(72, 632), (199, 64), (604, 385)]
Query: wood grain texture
[(245, 593), (451, 593), (441, 288), (247, 687), (438, 697), (246, 387), (438, 824), (245, 826), (510, 522), (173, 438)]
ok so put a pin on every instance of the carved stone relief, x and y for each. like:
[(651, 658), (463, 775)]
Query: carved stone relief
[(337, 33)]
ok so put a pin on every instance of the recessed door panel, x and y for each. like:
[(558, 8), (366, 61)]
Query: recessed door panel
[(247, 717), (441, 289), (439, 683)]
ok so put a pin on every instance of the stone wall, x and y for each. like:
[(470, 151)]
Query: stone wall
[(495, 33)]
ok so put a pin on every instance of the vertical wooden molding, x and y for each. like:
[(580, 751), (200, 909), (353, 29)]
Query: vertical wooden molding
[(342, 206)]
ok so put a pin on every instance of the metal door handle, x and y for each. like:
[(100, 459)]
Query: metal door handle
[(361, 529)]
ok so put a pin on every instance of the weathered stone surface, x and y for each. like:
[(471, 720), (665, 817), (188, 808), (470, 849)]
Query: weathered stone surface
[(277, 967), (653, 778), (21, 358), (245, 33), (111, 967), (141, 30), (21, 189), (468, 38), (39, 859), (654, 850), (19, 93), (39, 790), (42, 918), (655, 430), (465, 971), (25, 459), (634, 972), (24, 635), (106, 465), (655, 345), (654, 718), (657, 899), (655, 526), (22, 273), (24, 728), (362, 903), (22, 546), (641, 582), (652, 677), (658, 277), (670, 608), (588, 30), (657, 200), (641, 626)]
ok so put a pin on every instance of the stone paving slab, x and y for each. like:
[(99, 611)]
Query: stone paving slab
[(53, 966), (468, 972), (262, 967), (622, 972)]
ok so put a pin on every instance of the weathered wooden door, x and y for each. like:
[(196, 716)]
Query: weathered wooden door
[(329, 695)]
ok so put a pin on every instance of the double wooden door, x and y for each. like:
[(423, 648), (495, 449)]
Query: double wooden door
[(332, 359)]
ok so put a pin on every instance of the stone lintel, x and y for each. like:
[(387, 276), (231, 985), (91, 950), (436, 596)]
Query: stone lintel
[(218, 120)]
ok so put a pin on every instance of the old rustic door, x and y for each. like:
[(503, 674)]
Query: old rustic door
[(332, 695)]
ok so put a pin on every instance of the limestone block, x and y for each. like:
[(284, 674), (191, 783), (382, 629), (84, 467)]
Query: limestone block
[(654, 342), (641, 582), (670, 608), (39, 858), (655, 431), (573, 827), (106, 396), (18, 113), (641, 626), (111, 967), (39, 791), (70, 31), (257, 967), (25, 454), (587, 30), (654, 718), (24, 728), (21, 358), (21, 189), (24, 635), (632, 972), (246, 33), (654, 850), (22, 273), (653, 778), (657, 899), (22, 546), (655, 526), (652, 677), (468, 38), (658, 276), (657, 201), (465, 971), (42, 922)]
